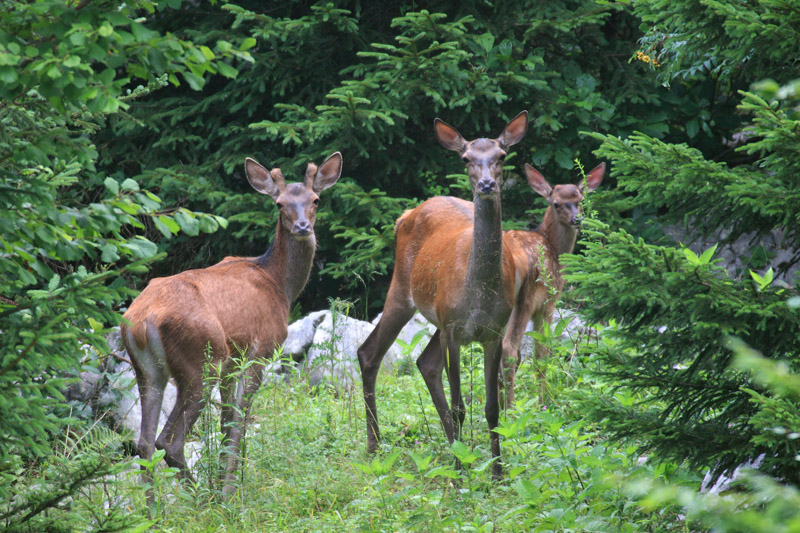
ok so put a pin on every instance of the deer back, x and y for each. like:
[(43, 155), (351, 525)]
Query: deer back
[(234, 303)]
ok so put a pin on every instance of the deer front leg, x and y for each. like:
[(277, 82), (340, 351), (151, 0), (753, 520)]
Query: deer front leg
[(452, 365), (431, 364), (370, 355), (491, 369)]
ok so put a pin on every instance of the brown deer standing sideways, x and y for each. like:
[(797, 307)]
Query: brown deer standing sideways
[(241, 303), (538, 271), (449, 265)]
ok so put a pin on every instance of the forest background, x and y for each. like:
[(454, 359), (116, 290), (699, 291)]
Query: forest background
[(124, 126)]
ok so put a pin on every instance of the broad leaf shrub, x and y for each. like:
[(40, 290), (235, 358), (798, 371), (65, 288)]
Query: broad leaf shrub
[(70, 235)]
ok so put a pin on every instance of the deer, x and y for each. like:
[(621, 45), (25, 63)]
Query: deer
[(237, 306), (538, 271), (449, 265)]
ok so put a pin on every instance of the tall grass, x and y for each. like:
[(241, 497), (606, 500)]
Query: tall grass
[(306, 468)]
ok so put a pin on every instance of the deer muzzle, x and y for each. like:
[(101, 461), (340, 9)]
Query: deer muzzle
[(302, 229), (486, 186)]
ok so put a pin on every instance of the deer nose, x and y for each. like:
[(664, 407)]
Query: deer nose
[(576, 220), (487, 186), (302, 228)]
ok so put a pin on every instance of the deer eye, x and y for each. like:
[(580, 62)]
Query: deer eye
[(316, 201), (280, 205), (556, 205), (465, 159), (502, 157)]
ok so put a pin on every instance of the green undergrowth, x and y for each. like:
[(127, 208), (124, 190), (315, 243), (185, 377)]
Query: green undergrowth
[(306, 468)]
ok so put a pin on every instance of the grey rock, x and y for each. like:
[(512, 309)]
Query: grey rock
[(301, 334), (732, 253), (333, 357), (575, 326)]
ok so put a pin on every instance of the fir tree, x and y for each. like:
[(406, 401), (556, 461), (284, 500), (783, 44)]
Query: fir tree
[(677, 311)]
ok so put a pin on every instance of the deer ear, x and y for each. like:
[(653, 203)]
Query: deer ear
[(514, 131), (537, 181), (262, 180), (595, 177), (328, 173), (448, 136)]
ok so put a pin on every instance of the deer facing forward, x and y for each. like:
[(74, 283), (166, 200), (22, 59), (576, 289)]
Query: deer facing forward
[(449, 265), (239, 305), (537, 267)]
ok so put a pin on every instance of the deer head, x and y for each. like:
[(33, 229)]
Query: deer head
[(483, 157), (297, 202), (565, 200)]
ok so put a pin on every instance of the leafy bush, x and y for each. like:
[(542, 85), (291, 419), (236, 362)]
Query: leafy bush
[(70, 234)]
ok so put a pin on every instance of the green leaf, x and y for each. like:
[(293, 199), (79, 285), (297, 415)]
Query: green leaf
[(207, 224), (207, 52), (763, 281), (109, 253), (8, 74), (194, 81), (692, 127), (112, 186), (95, 325), (227, 70), (248, 43), (130, 185), (221, 221), (160, 226), (170, 223), (485, 41), (691, 257), (140, 247), (187, 223), (105, 29), (463, 453), (707, 255), (422, 462)]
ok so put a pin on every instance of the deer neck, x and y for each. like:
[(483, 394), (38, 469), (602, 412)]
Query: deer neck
[(560, 237), (485, 267), (289, 261)]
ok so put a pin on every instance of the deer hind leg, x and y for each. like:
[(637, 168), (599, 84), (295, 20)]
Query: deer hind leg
[(541, 350), (238, 390), (183, 416), (515, 330), (150, 367), (188, 371), (396, 313), (509, 358), (491, 369)]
